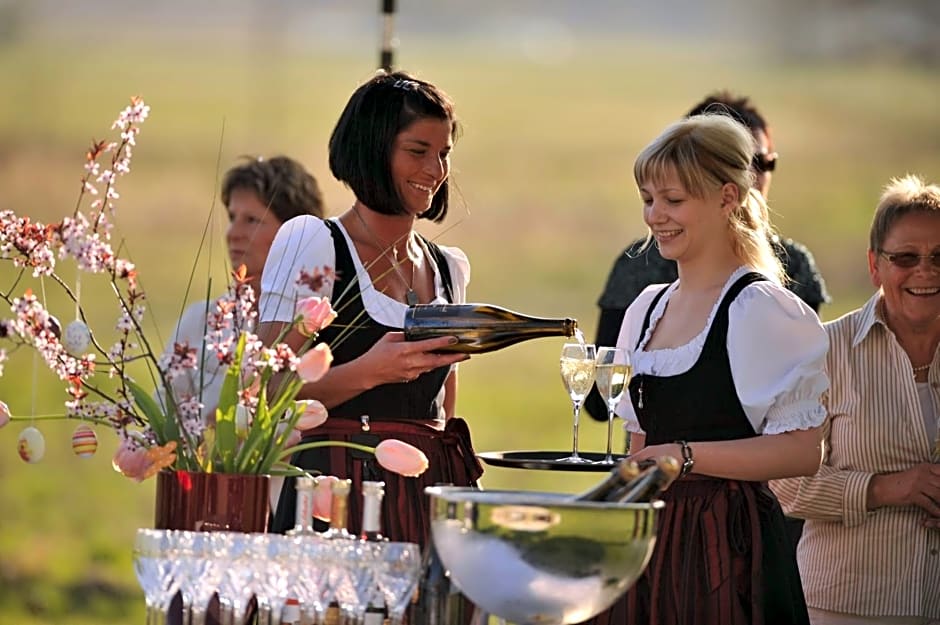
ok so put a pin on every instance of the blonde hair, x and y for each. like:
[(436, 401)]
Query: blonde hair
[(708, 151), (901, 196)]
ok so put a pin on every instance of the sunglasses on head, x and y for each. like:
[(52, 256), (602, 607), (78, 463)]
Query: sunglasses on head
[(909, 260), (764, 162)]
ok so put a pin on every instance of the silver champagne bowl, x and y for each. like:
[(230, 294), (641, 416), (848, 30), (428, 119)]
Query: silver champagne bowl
[(540, 558)]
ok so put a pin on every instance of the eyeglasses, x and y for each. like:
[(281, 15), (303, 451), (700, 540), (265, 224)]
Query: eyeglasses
[(764, 162), (909, 260)]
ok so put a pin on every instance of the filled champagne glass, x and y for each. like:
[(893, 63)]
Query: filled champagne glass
[(577, 372), (612, 371)]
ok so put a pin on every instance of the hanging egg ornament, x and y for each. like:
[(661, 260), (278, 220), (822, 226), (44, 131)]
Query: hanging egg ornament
[(76, 338), (55, 327), (84, 441), (31, 445)]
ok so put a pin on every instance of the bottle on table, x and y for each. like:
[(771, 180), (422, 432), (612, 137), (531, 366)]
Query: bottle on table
[(291, 612), (480, 328), (437, 601), (372, 494), (339, 518), (303, 513), (339, 511)]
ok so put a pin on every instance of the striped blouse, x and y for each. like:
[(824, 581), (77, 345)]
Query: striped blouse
[(882, 562)]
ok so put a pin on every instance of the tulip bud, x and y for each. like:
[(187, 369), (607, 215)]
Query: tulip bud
[(313, 313), (400, 457), (315, 363)]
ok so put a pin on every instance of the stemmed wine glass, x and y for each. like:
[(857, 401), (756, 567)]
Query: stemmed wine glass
[(577, 372), (399, 568), (612, 371), (153, 564)]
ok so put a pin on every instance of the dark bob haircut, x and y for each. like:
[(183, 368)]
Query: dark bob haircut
[(362, 141), (281, 183)]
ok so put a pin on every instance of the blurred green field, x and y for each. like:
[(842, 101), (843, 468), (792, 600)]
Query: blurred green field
[(546, 200)]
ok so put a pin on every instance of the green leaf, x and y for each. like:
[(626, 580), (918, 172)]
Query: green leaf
[(165, 427), (275, 449), (248, 457), (226, 437)]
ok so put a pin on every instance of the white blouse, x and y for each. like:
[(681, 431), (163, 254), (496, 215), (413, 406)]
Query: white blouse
[(305, 243), (776, 345)]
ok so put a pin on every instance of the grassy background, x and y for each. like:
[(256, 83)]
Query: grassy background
[(546, 201)]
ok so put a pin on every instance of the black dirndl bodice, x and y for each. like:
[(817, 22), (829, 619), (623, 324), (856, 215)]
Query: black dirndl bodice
[(395, 411)]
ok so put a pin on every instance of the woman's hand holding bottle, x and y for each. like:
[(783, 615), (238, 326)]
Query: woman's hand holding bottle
[(392, 360)]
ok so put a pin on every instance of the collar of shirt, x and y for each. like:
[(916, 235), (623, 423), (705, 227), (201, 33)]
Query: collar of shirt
[(871, 314)]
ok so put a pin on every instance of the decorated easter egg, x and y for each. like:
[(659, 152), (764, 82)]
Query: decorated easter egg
[(76, 338), (84, 441), (31, 445)]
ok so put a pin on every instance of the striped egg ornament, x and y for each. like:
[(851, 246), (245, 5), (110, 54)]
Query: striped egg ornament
[(84, 441)]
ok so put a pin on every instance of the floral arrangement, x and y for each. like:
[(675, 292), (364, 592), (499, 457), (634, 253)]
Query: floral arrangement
[(256, 420)]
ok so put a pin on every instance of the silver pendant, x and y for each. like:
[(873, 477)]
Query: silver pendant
[(411, 298)]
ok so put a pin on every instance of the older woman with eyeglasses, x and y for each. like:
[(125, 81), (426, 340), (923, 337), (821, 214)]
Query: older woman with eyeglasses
[(870, 551)]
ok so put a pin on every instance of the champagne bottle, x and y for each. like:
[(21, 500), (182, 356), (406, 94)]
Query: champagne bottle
[(479, 327), (433, 588), (437, 601), (339, 518), (625, 472), (640, 481), (303, 513), (372, 494), (647, 486), (291, 612), (339, 511)]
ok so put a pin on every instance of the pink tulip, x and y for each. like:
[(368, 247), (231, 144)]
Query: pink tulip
[(315, 363), (323, 497), (4, 414), (293, 438), (131, 460), (315, 313), (139, 463), (314, 414), (400, 457)]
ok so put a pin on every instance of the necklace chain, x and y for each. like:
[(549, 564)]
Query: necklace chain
[(921, 368), (411, 298)]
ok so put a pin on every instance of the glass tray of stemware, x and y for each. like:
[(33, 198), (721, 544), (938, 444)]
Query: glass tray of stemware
[(548, 460)]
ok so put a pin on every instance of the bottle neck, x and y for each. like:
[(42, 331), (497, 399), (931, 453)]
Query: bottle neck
[(371, 517), (303, 514), (339, 513)]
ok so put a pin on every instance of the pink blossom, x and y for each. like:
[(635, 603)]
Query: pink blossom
[(314, 414), (313, 314), (323, 497), (400, 457), (315, 363), (4, 414)]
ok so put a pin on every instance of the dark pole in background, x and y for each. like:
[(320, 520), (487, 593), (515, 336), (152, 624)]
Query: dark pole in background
[(388, 27)]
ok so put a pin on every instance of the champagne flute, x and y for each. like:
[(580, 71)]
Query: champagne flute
[(577, 372), (612, 371)]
